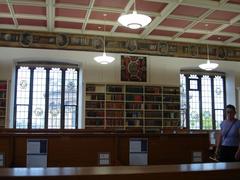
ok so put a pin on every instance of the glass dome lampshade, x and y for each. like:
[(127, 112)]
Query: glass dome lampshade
[(104, 59), (134, 20), (208, 66)]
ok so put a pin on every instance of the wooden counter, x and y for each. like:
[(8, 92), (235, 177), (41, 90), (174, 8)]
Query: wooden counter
[(206, 171), (81, 148)]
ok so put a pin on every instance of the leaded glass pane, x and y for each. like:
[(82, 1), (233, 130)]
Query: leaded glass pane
[(70, 87), (218, 92), (206, 103), (218, 118), (183, 99), (23, 85), (38, 107), (70, 117), (55, 90), (194, 110), (193, 84), (22, 117), (22, 95), (70, 98)]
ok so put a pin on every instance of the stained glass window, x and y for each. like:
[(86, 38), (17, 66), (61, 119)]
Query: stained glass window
[(22, 97), (38, 103), (202, 100), (46, 97), (70, 100)]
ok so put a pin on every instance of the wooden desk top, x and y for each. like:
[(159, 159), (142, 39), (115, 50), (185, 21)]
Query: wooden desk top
[(118, 170)]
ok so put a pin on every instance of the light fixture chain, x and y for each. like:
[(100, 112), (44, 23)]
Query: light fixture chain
[(104, 29), (134, 5), (206, 26)]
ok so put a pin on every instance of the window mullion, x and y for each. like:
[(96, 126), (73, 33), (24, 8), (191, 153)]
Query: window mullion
[(200, 101), (30, 99), (62, 99), (47, 98), (213, 103), (224, 91), (15, 98), (76, 120), (187, 101)]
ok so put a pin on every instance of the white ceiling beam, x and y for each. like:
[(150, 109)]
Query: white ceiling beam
[(197, 31), (223, 1), (214, 5), (187, 18), (164, 13), (11, 9), (99, 33), (50, 11), (104, 9), (195, 41), (203, 16), (32, 28), (232, 39), (81, 20), (28, 3), (220, 28), (222, 5), (90, 6), (24, 16)]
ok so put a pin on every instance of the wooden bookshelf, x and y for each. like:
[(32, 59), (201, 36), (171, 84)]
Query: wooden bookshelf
[(153, 107), (115, 106), (3, 102), (171, 106), (121, 106), (95, 105)]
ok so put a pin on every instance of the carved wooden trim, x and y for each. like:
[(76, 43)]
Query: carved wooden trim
[(28, 39)]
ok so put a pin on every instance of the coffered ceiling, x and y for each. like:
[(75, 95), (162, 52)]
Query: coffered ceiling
[(172, 20)]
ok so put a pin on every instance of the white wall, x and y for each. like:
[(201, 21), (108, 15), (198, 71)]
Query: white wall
[(161, 69), (231, 92)]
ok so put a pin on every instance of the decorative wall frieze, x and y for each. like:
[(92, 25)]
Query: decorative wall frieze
[(27, 39)]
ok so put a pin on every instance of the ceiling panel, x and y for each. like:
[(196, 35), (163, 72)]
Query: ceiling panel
[(32, 22), (223, 15), (157, 7), (232, 29), (4, 8), (111, 3), (163, 33), (76, 13), (172, 20), (234, 1), (191, 11), (218, 38), (202, 26), (19, 9), (77, 2), (175, 23), (191, 35), (99, 27), (100, 15), (70, 25), (6, 21)]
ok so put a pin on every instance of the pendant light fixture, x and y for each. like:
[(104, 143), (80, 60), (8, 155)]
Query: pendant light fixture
[(208, 66), (134, 20), (104, 59)]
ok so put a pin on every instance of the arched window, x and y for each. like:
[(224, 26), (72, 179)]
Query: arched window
[(46, 96), (202, 99)]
